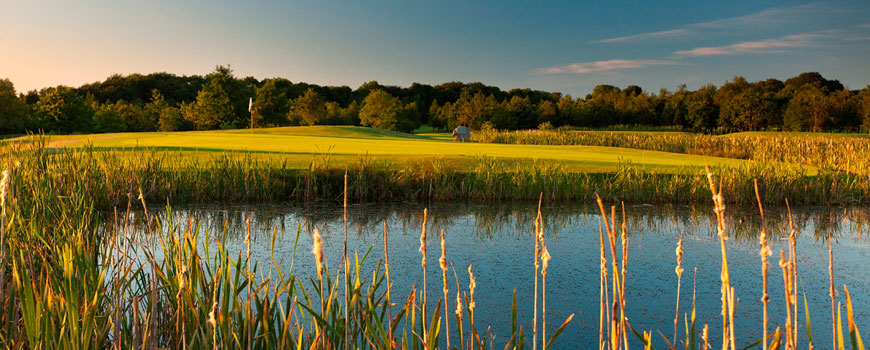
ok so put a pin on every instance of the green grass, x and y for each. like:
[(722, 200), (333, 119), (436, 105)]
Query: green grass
[(298, 144)]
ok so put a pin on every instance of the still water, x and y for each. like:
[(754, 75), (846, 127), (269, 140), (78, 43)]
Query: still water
[(498, 241)]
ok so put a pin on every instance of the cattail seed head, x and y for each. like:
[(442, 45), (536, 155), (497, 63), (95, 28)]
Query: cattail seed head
[(317, 249), (423, 239), (443, 260), (545, 258), (458, 306), (679, 269), (182, 282), (4, 187), (472, 283)]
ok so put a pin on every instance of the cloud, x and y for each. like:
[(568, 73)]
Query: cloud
[(761, 46), (771, 16), (603, 66), (767, 17), (643, 36)]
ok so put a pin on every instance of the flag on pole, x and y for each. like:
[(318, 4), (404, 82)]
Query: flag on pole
[(250, 103)]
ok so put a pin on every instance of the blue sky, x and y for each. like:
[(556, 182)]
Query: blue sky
[(568, 46)]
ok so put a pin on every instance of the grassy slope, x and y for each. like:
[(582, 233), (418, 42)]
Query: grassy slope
[(299, 144)]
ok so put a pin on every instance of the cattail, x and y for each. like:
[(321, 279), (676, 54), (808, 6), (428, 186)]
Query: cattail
[(719, 209), (4, 188), (458, 306), (248, 237), (832, 291), (765, 265), (786, 281), (472, 283), (317, 249), (422, 249), (423, 264), (705, 334), (458, 311), (443, 263), (679, 271), (538, 223), (182, 282), (545, 261)]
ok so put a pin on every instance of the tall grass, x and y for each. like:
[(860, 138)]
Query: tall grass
[(75, 285), (830, 152), (110, 177)]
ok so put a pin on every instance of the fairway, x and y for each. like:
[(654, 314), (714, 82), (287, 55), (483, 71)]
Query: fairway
[(300, 143)]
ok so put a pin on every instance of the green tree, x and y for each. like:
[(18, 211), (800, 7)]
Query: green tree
[(310, 107), (271, 106), (171, 119), (212, 109), (383, 111), (221, 104), (108, 119), (809, 109), (864, 107), (12, 109), (702, 111), (748, 111), (62, 110)]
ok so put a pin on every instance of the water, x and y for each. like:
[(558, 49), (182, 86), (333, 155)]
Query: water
[(498, 241)]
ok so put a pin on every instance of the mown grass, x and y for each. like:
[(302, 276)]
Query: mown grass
[(65, 283), (301, 143)]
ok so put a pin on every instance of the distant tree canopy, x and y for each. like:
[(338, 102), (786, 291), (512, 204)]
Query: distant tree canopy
[(219, 100)]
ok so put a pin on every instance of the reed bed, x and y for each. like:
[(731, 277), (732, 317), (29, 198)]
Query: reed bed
[(73, 285), (829, 152), (110, 177)]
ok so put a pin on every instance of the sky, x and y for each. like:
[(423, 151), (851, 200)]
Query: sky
[(565, 46)]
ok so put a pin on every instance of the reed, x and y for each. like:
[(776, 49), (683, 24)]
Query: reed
[(442, 262), (764, 252), (679, 272), (826, 151)]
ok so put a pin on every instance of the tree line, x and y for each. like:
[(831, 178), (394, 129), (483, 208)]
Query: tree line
[(220, 100)]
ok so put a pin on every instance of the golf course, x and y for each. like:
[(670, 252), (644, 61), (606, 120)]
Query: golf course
[(298, 145)]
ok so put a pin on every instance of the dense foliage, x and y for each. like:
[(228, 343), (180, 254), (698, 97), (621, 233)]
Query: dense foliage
[(167, 102)]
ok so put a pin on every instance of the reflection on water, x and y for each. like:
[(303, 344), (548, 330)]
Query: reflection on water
[(498, 241)]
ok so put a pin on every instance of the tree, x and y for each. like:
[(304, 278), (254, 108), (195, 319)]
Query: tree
[(310, 107), (864, 107), (814, 79), (748, 111), (107, 119), (62, 110), (383, 111), (12, 109), (212, 109), (271, 105), (702, 112), (222, 102), (171, 119), (809, 109)]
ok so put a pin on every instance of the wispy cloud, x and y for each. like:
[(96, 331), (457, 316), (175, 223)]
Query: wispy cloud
[(761, 46), (771, 16), (767, 17), (603, 66), (644, 36)]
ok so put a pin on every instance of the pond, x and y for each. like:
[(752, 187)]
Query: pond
[(498, 241)]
